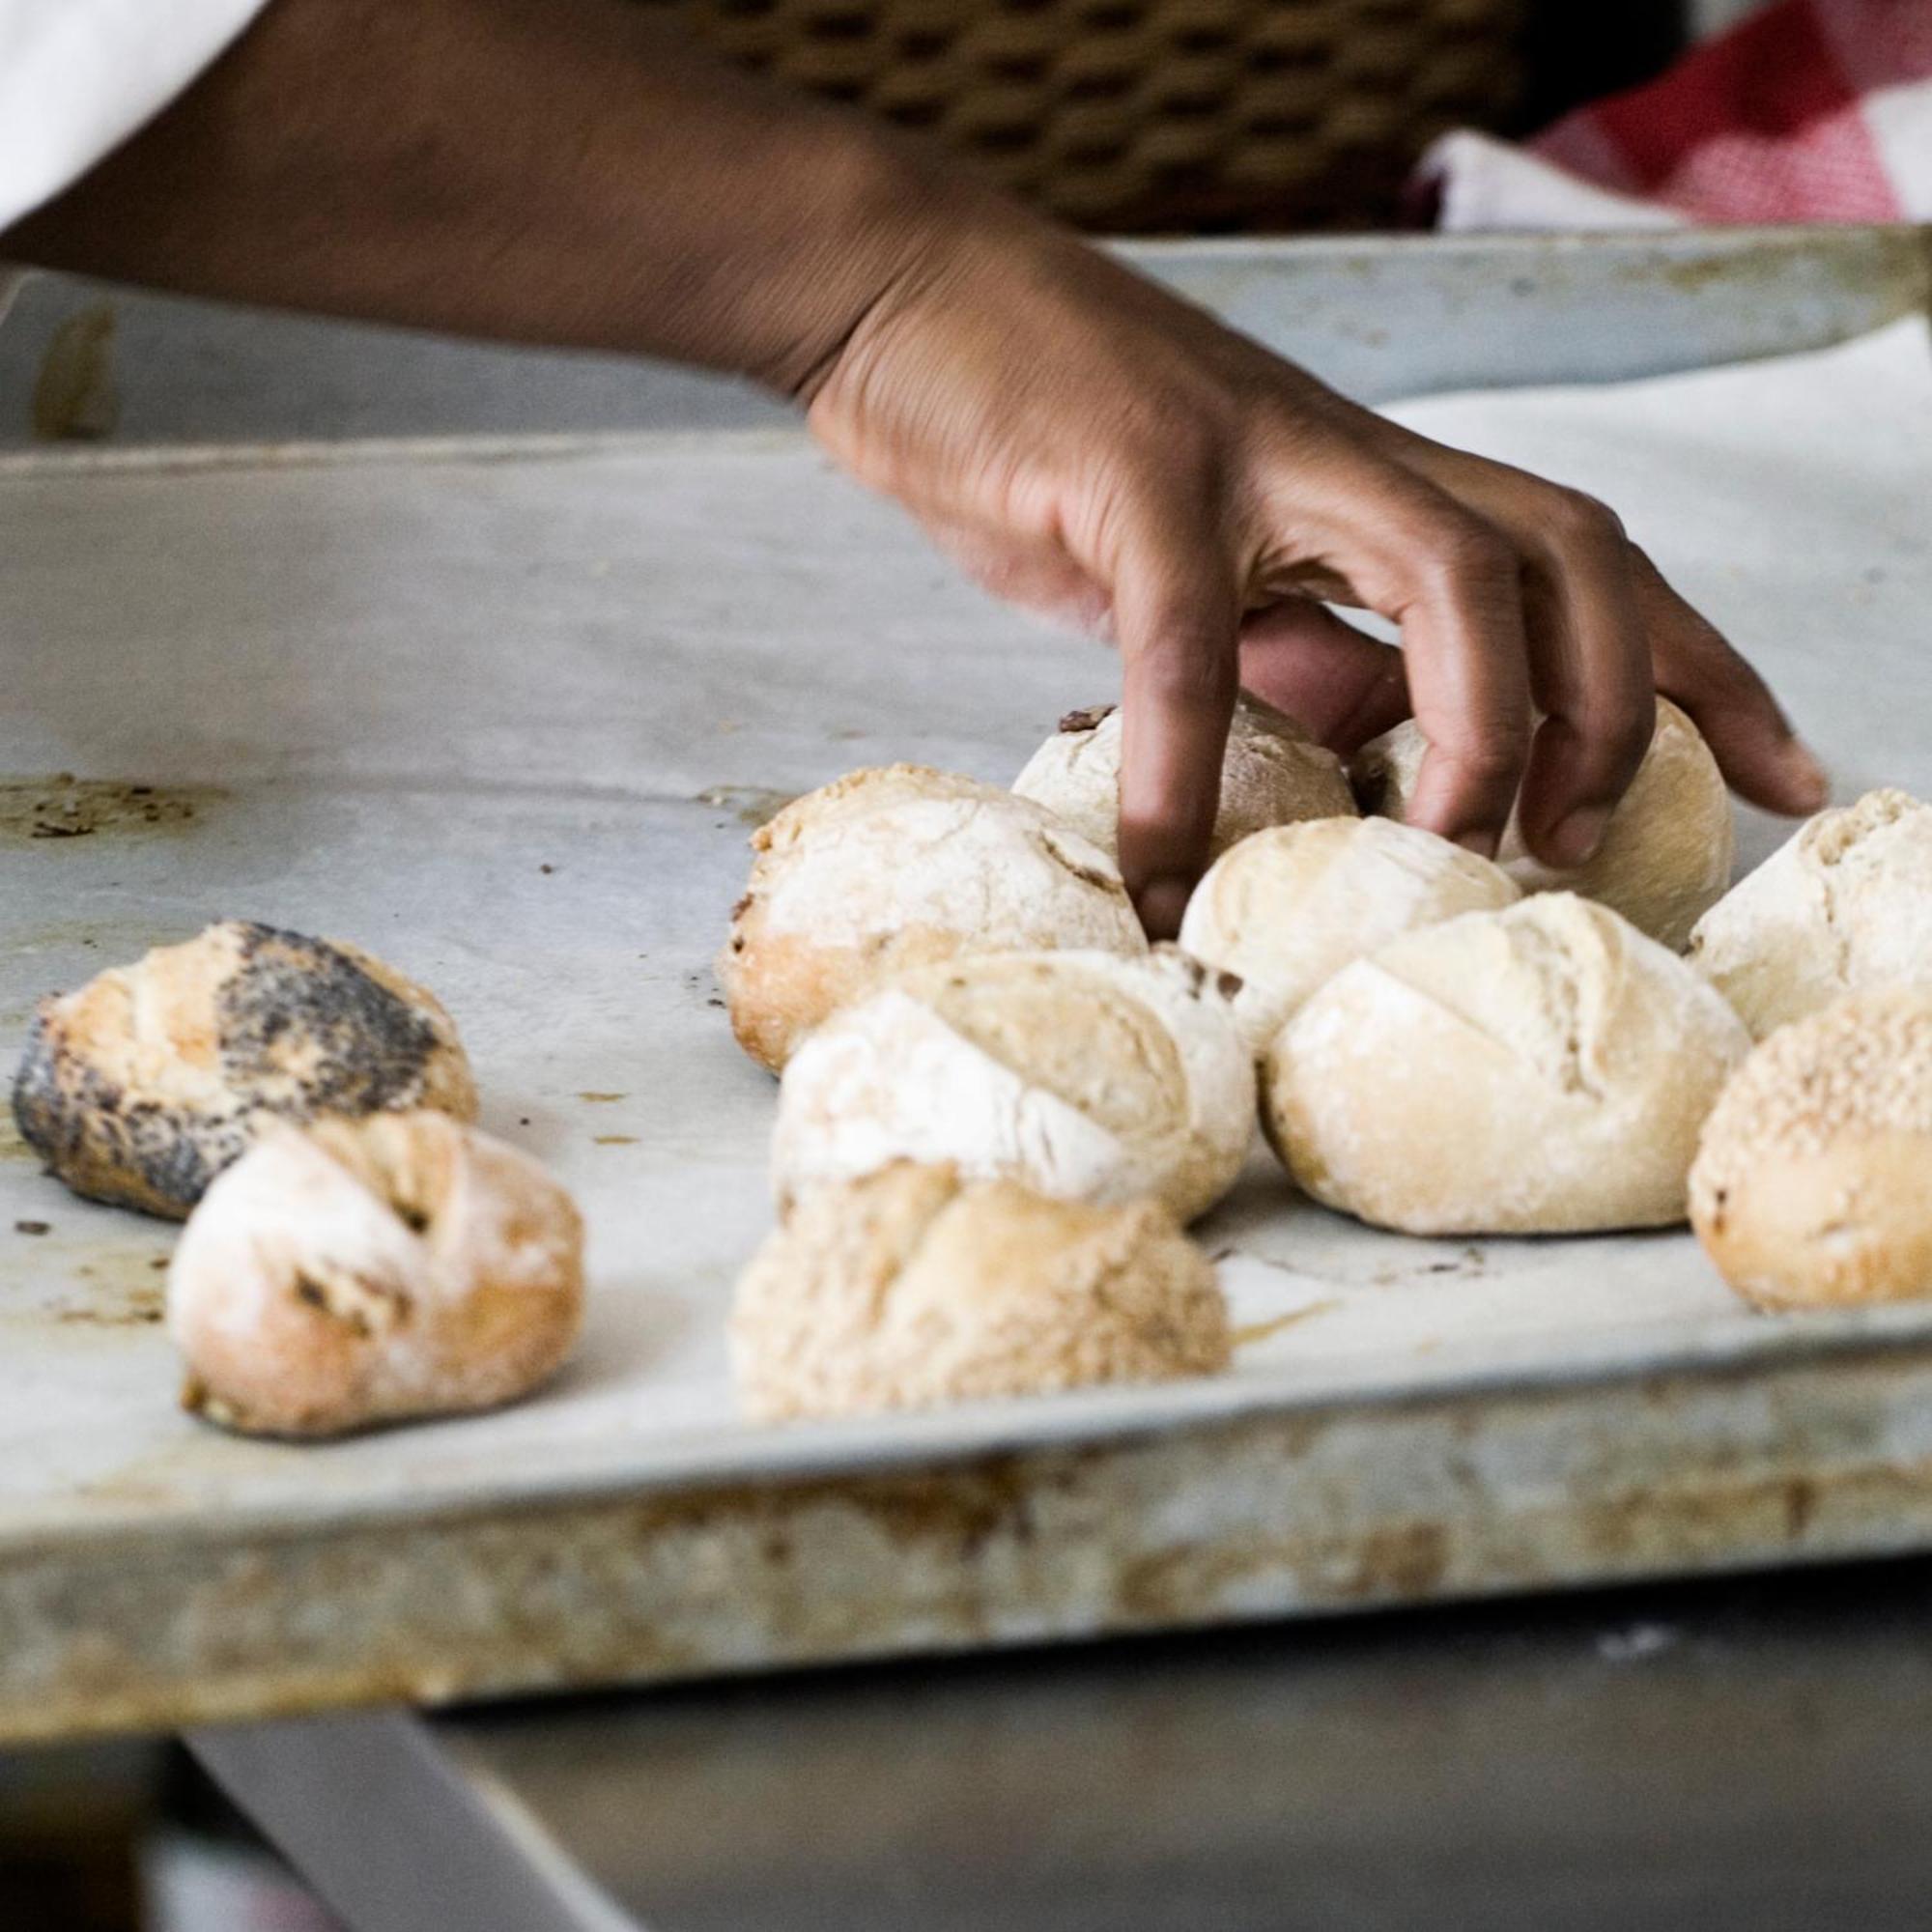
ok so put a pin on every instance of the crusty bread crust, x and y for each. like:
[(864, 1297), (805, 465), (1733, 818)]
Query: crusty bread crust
[(1274, 774), (1813, 1186), (366, 1271), (1843, 906), (1084, 1075), (1287, 908), (896, 868), (1543, 1070), (912, 1286), (1667, 852), (141, 1085)]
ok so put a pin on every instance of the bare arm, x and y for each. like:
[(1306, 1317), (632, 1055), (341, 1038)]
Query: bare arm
[(571, 171)]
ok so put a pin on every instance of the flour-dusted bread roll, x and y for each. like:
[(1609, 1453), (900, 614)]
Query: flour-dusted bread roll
[(1666, 853), (1813, 1185), (912, 1286), (364, 1271), (1083, 1074), (1274, 774), (1539, 1070), (1844, 906), (1287, 908), (142, 1085), (896, 868)]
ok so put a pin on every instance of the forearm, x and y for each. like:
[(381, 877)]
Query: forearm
[(559, 171)]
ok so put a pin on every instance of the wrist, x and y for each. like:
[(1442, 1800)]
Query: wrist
[(877, 219)]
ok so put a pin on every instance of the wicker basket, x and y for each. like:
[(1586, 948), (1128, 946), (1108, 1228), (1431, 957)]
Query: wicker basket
[(1155, 115)]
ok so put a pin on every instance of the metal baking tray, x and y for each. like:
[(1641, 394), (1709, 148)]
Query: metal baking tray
[(502, 709)]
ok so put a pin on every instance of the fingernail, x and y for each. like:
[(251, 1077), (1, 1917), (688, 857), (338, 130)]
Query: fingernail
[(1162, 901), (1574, 841), (1482, 844), (1810, 782)]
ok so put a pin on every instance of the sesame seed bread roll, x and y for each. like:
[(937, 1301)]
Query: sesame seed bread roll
[(142, 1085), (1539, 1070), (1813, 1182), (914, 1286), (1287, 908), (1667, 853), (902, 867), (1843, 906), (1085, 1076), (1272, 774)]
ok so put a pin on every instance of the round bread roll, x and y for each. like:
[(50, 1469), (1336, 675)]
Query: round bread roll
[(1287, 908), (1539, 1070), (1667, 853), (1085, 1076), (1845, 906), (1274, 774), (364, 1271), (1810, 1188), (912, 1286), (141, 1087), (896, 868)]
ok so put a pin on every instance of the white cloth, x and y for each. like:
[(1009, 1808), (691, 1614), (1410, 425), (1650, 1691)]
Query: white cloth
[(79, 76)]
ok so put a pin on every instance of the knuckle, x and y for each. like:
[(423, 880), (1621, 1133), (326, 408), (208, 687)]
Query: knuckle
[(1610, 743), (1572, 519), (1466, 557), (1184, 458), (1629, 735), (1496, 756)]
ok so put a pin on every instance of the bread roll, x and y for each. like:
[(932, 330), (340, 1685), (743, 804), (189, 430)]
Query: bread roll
[(1667, 853), (912, 1286), (1274, 774), (1845, 906), (146, 1083), (1083, 1074), (1539, 1070), (896, 868), (1287, 908), (1811, 1186), (364, 1271)]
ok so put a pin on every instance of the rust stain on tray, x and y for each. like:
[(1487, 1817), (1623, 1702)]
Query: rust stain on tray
[(1260, 1331), (1260, 1516), (79, 1282), (60, 805), (752, 805)]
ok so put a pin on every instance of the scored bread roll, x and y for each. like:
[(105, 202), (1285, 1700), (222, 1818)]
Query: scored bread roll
[(902, 867), (1843, 906), (1810, 1185), (144, 1083), (364, 1271), (1085, 1076), (1543, 1070), (1667, 853), (912, 1286), (1272, 774), (1287, 908)]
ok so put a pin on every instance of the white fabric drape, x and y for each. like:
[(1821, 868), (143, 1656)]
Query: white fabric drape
[(79, 76)]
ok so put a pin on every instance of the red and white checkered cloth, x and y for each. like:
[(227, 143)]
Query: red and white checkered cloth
[(1813, 110)]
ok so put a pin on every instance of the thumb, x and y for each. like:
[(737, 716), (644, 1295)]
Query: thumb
[(1341, 686)]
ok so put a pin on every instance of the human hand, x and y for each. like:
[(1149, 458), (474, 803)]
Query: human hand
[(1088, 444)]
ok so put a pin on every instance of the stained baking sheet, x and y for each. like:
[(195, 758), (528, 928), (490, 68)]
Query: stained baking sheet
[(506, 714)]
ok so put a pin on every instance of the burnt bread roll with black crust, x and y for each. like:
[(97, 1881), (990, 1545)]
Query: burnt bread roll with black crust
[(140, 1087)]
